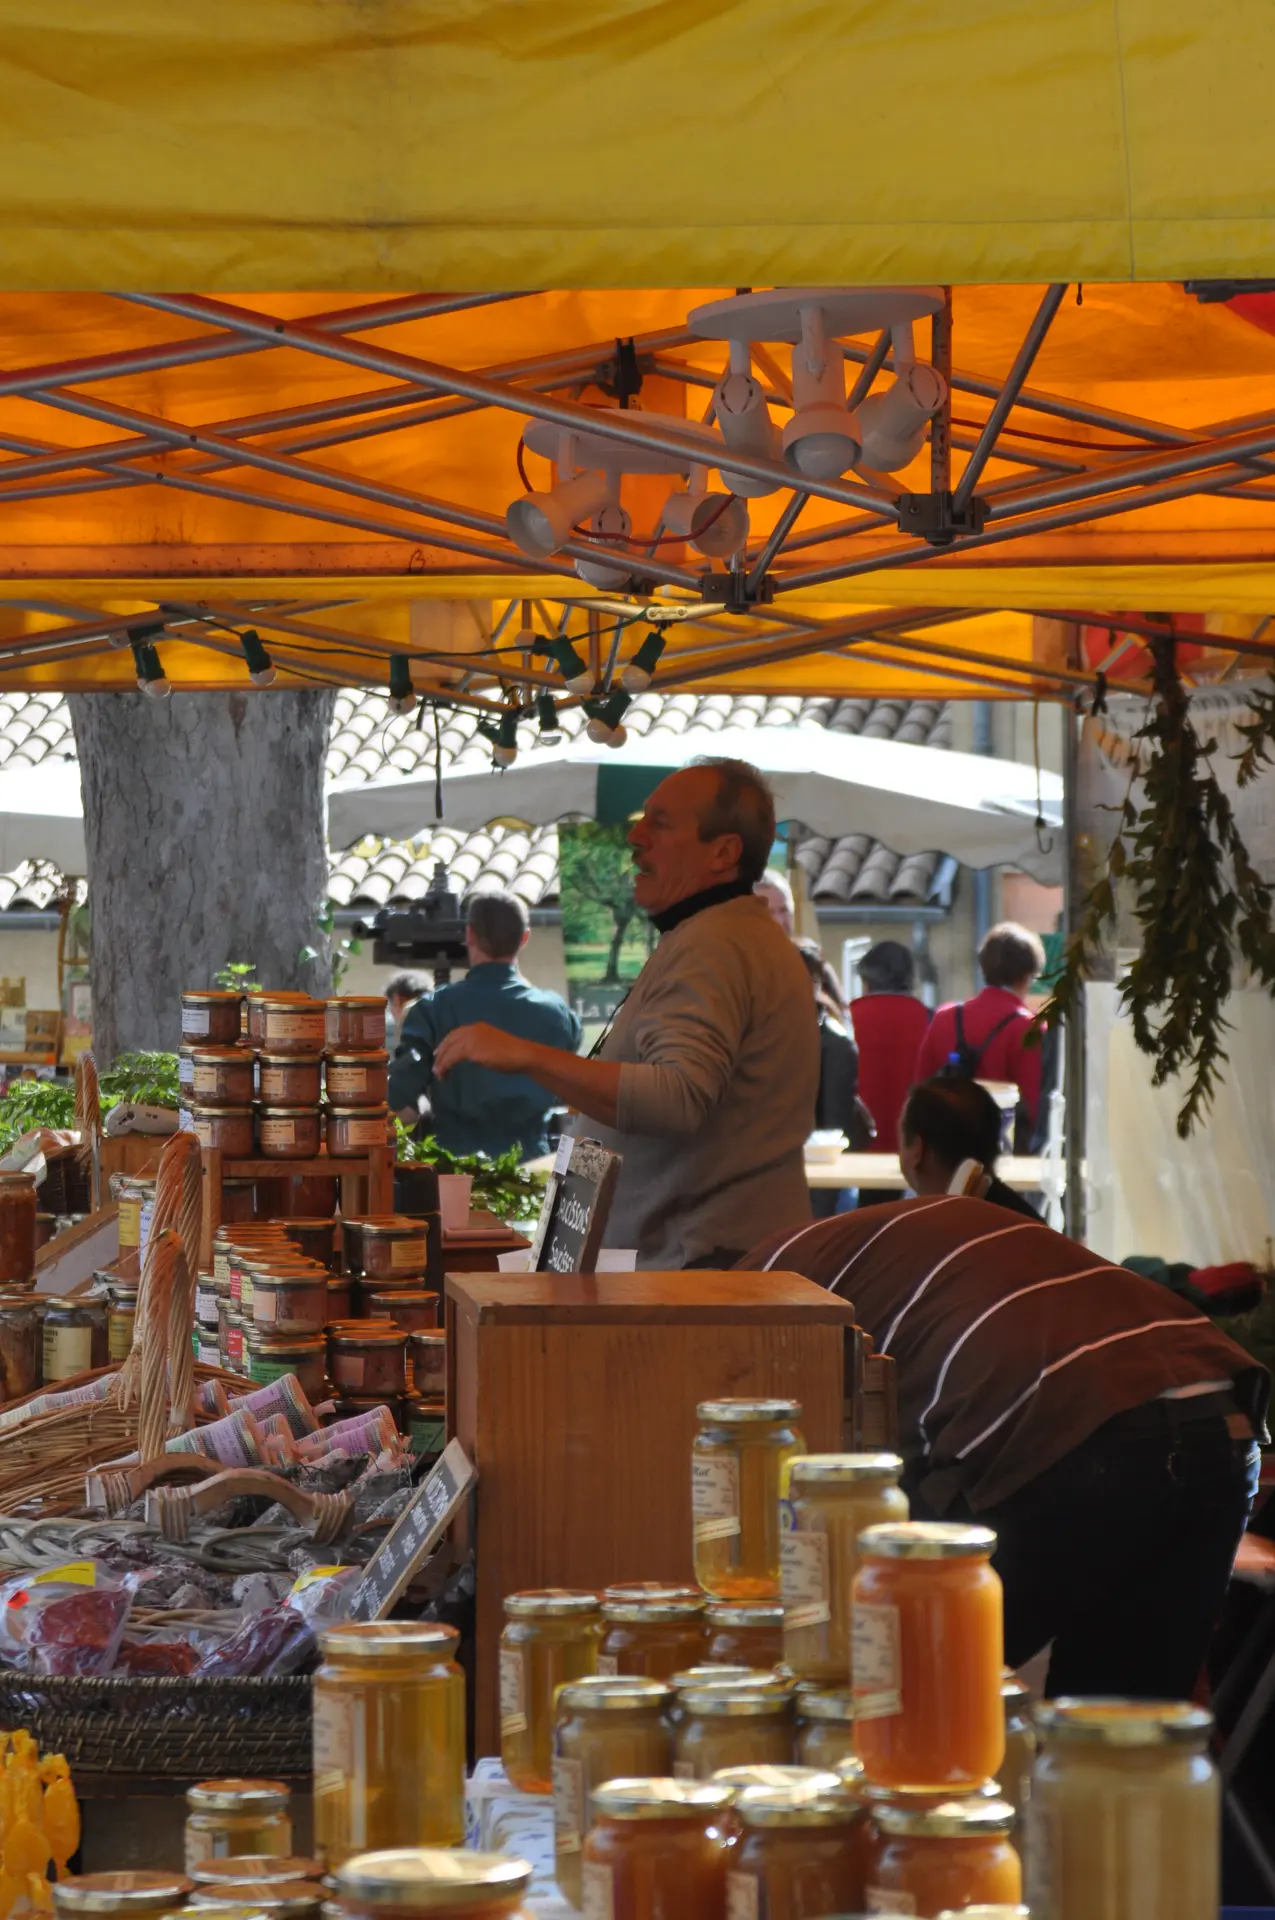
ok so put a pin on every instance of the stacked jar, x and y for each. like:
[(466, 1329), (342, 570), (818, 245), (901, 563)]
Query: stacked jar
[(391, 1350), (272, 1306), (215, 1074), (739, 1476), (286, 1033), (356, 1074)]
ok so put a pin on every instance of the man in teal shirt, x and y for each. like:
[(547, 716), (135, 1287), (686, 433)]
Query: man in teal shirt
[(475, 1109)]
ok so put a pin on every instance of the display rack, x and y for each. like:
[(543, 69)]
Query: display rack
[(367, 1183)]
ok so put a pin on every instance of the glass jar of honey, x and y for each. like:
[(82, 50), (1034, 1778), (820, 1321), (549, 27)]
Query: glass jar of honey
[(825, 1725), (605, 1729), (799, 1854), (733, 1724), (1014, 1777), (1123, 1818), (927, 1656), (399, 1884), (744, 1633), (228, 1817), (651, 1630), (551, 1635), (925, 1855), (739, 1463), (120, 1896), (832, 1498), (657, 1850), (389, 1739)]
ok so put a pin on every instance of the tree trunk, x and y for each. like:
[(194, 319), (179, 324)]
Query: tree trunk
[(204, 824), (612, 973)]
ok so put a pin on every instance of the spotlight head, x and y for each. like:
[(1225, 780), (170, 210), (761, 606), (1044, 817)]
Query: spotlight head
[(821, 440), (151, 679), (716, 524), (894, 422), (636, 677), (548, 723), (539, 524), (574, 671), (402, 692), (744, 422), (610, 523), (261, 668)]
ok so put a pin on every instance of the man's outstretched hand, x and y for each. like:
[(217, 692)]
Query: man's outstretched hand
[(485, 1046)]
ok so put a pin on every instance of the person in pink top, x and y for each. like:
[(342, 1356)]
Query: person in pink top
[(986, 1038)]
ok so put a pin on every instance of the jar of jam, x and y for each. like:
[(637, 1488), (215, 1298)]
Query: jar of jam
[(340, 1300), (1014, 1777), (221, 1077), (354, 1023), (121, 1318), (368, 1356), (387, 1246), (604, 1730), (18, 1208), (426, 1422), (211, 1018), (733, 1724), (389, 1739), (315, 1239), (832, 1498), (285, 1023), (358, 1079), (225, 1130), (289, 1133), (290, 1302), (925, 1855), (120, 1896), (657, 1850), (20, 1346), (269, 1356), (356, 1130), (236, 1816), (289, 1079), (799, 1854), (551, 1635), (825, 1725), (1124, 1813), (927, 1657), (409, 1308), (133, 1198), (744, 1633), (656, 1633), (409, 1881), (70, 1330), (739, 1475)]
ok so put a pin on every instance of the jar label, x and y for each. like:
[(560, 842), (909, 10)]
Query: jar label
[(199, 1847), (221, 1264), (347, 1079), (887, 1900), (596, 1900), (876, 1666), (205, 1079), (406, 1256), (263, 1305), (185, 1071), (803, 1572), (335, 1730), (332, 1027), (683, 1770), (348, 1370), (119, 1334), (67, 1350), (742, 1902), (609, 1664), (130, 1223), (715, 1495), (194, 1023), (294, 1026), (205, 1303), (513, 1696), (277, 1133), (568, 1805), (365, 1133)]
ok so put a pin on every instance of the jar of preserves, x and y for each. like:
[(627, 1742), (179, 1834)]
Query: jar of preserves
[(354, 1023), (133, 1198), (121, 1318), (261, 1900), (426, 1426), (369, 1357), (409, 1308), (226, 1130), (657, 1850), (604, 1730), (1124, 1813), (120, 1896), (289, 1133), (927, 1657), (832, 1498), (799, 1854), (285, 1023), (429, 1363), (221, 1077), (358, 1079), (211, 1018), (739, 1471), (229, 1817), (409, 1881), (388, 1246), (1014, 1777), (825, 1725), (20, 1346), (70, 1329), (18, 1208), (315, 1239), (389, 1739), (231, 1327), (267, 1357), (551, 1635), (289, 1079), (744, 1633), (294, 1302), (340, 1300), (355, 1130), (657, 1632), (926, 1855), (733, 1724)]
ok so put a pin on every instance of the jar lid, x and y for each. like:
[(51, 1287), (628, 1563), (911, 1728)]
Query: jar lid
[(785, 1778), (653, 1612), (550, 1603), (633, 1592), (310, 1226), (430, 1877), (372, 1334), (355, 1000), (729, 1413), (427, 1336), (221, 1113), (404, 1297), (78, 1305), (238, 1056), (707, 1676), (290, 1113), (925, 1540), (366, 1640), (222, 995), (17, 1302), (283, 996), (605, 1693), (368, 1057), (24, 1180), (1124, 1723), (966, 1818), (745, 1613), (843, 1469), (358, 1113), (986, 1913), (107, 1892), (289, 1060), (281, 1344), (287, 1899), (796, 1807), (658, 1799), (736, 1700), (238, 1796), (825, 1703), (255, 1869)]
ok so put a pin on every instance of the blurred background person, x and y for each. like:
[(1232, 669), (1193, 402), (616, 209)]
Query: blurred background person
[(838, 1108), (950, 1141), (889, 1023), (774, 889), (987, 1038), (402, 992)]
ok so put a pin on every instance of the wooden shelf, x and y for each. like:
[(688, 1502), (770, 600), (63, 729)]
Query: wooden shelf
[(367, 1183)]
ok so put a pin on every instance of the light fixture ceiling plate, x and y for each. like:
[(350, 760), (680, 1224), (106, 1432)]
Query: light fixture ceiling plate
[(776, 313), (619, 456)]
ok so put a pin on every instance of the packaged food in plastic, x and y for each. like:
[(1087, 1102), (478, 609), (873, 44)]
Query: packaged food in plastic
[(371, 1432), (284, 1395), (267, 1646), (167, 1658), (235, 1441), (322, 1595), (65, 1620)]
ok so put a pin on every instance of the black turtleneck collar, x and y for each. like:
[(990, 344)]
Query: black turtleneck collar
[(696, 902)]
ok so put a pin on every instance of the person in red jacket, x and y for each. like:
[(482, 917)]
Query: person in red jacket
[(888, 1022), (986, 1038)]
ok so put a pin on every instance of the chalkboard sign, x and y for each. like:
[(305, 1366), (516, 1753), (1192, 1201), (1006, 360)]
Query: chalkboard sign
[(576, 1205), (414, 1534)]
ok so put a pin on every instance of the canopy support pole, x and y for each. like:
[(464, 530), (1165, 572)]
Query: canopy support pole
[(1074, 1209)]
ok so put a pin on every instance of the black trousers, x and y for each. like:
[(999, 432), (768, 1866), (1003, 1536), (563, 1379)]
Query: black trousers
[(1121, 1552)]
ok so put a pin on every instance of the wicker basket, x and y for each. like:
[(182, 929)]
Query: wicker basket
[(175, 1729)]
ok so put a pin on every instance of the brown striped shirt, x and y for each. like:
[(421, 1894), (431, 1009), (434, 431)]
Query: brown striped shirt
[(1011, 1344)]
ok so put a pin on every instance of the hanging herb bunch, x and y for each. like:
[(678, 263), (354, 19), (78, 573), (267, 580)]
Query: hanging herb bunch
[(1199, 901)]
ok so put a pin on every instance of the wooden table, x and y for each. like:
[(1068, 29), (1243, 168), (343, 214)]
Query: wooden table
[(471, 1253), (881, 1171)]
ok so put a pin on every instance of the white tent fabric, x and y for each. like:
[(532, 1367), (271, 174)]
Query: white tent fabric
[(914, 799), (41, 816)]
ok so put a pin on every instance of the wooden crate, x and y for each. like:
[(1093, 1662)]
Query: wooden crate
[(575, 1397)]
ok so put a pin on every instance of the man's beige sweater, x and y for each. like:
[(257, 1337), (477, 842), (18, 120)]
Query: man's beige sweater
[(720, 1050)]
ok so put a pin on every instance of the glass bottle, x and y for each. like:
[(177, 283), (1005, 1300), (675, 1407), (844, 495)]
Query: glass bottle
[(832, 1498), (440, 1884), (551, 1635), (825, 1725), (605, 1729), (751, 1633), (655, 1633), (739, 1462), (657, 1850), (799, 1855), (1014, 1775), (925, 1855), (733, 1725), (229, 1817)]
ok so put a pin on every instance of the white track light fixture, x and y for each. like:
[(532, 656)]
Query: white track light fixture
[(540, 524), (611, 523), (716, 524), (822, 440), (743, 419), (894, 423)]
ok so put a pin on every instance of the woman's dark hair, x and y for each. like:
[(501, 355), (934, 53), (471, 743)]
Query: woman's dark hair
[(956, 1119), (887, 968), (827, 985)]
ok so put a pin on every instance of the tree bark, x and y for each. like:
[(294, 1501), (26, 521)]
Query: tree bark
[(204, 825)]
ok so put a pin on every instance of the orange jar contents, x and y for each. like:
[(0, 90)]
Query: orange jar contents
[(1123, 1819), (604, 1730), (657, 1850), (933, 1854), (739, 1475), (832, 1498), (1014, 1775), (422, 1881), (927, 1657), (551, 1636), (657, 1632), (799, 1854), (236, 1816), (744, 1632), (733, 1724), (825, 1726)]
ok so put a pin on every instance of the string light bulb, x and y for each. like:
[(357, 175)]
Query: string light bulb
[(604, 727), (402, 692), (636, 677), (575, 672), (261, 668), (151, 679), (503, 736), (550, 726)]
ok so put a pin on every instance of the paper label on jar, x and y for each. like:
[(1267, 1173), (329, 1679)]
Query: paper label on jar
[(609, 1664), (204, 1079), (199, 1847), (348, 1369), (346, 1079), (205, 1302), (221, 1265), (887, 1900), (513, 1697), (365, 1133), (803, 1572), (67, 1350), (568, 1805), (876, 1667), (294, 1026), (263, 1305), (683, 1770), (596, 1901), (406, 1256), (715, 1495), (194, 1023), (742, 1902), (336, 1729), (277, 1133)]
